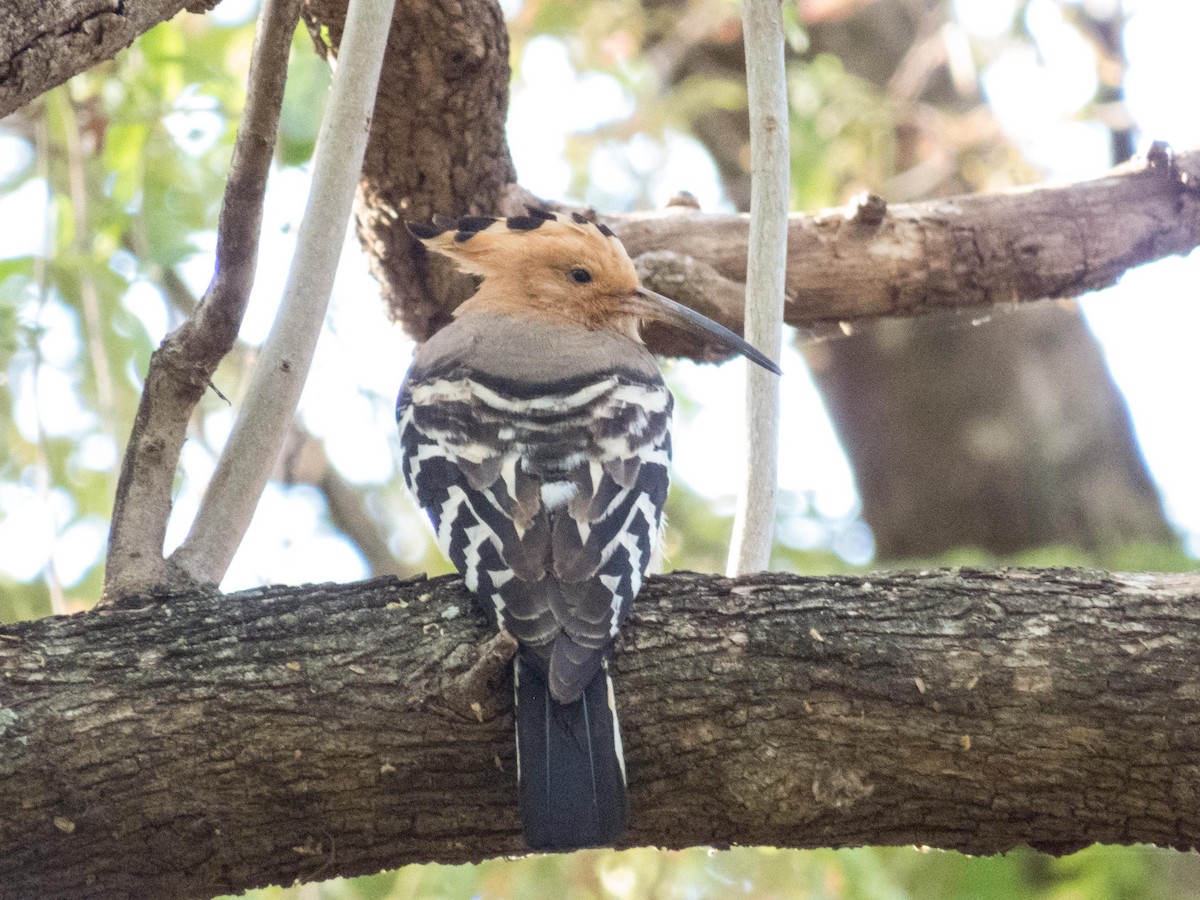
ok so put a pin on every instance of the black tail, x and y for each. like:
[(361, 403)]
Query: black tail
[(569, 764)]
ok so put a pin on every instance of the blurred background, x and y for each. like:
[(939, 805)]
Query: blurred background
[(1052, 434)]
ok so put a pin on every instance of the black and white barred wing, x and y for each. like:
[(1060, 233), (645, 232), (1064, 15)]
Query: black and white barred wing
[(605, 537), (548, 500)]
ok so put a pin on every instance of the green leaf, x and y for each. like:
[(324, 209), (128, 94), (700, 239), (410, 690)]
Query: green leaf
[(124, 147)]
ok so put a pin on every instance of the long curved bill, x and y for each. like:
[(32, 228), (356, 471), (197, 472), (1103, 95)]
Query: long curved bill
[(665, 309)]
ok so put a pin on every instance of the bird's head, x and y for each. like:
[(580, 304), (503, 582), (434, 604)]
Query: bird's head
[(565, 266)]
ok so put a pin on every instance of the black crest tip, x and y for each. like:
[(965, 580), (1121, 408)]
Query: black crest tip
[(475, 223), (539, 212), (461, 237), (579, 218), (423, 231), (524, 223), (605, 230)]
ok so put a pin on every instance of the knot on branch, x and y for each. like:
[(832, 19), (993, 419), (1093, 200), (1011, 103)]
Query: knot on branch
[(683, 200), (839, 788), (1161, 160), (868, 211), (472, 692)]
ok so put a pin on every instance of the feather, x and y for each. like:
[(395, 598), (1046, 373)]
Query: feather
[(478, 455)]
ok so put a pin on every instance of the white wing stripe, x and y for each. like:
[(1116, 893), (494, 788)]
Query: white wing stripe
[(464, 390)]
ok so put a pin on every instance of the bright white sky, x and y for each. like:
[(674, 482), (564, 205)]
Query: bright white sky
[(1147, 325)]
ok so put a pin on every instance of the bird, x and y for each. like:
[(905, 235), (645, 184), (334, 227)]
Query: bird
[(535, 433)]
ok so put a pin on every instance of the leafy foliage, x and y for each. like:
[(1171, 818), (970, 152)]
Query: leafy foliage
[(118, 178)]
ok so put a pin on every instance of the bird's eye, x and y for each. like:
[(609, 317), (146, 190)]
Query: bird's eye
[(580, 276)]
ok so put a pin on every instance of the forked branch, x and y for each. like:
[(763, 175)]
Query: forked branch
[(181, 369), (266, 414)]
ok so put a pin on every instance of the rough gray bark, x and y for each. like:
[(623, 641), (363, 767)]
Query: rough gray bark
[(45, 42), (211, 744), (437, 144), (965, 253)]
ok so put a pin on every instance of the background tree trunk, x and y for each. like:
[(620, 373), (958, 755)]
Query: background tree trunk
[(1003, 436), (206, 745)]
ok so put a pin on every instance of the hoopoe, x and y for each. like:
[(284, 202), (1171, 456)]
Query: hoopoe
[(535, 432)]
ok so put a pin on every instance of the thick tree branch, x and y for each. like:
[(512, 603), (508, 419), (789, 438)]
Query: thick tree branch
[(181, 369), (45, 42), (961, 253), (207, 745)]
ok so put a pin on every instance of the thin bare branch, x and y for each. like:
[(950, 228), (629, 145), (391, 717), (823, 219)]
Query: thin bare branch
[(304, 460), (182, 367), (770, 173), (263, 422)]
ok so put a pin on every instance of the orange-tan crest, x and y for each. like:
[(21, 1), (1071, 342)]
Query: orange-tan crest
[(562, 266), (543, 262)]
